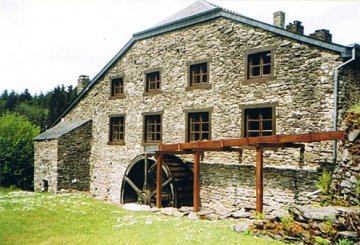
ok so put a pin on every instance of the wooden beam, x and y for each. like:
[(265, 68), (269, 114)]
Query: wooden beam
[(259, 179), (253, 141), (196, 190), (158, 180)]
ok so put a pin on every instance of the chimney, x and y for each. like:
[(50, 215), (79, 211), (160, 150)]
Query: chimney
[(323, 35), (279, 19), (295, 27), (83, 81)]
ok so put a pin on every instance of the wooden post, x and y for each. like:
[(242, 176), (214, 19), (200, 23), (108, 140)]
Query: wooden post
[(259, 179), (158, 180), (196, 191)]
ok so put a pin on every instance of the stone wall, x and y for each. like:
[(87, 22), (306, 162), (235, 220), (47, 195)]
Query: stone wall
[(301, 90), (74, 150), (233, 186), (349, 88), (346, 176), (45, 165)]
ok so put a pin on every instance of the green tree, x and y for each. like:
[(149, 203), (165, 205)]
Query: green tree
[(33, 113), (17, 151)]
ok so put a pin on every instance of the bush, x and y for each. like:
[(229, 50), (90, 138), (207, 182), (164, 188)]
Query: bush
[(344, 242), (324, 182), (17, 151), (287, 221)]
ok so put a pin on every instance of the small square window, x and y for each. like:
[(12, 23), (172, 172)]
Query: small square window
[(198, 126), (199, 74), (117, 86), (117, 129), (259, 122), (259, 65), (152, 81), (152, 129)]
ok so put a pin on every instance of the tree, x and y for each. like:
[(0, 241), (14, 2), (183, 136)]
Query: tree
[(17, 151), (33, 113)]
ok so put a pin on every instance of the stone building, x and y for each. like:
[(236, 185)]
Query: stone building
[(204, 73)]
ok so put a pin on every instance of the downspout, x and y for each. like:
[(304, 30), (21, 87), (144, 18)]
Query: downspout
[(335, 110)]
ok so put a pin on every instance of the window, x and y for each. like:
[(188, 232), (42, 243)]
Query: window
[(198, 126), (199, 74), (117, 86), (152, 81), (152, 129), (259, 122), (259, 65), (117, 129)]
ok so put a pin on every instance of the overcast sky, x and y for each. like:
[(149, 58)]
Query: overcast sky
[(44, 43)]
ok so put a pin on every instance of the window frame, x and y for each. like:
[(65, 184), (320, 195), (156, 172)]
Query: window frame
[(260, 78), (188, 126), (145, 77), (145, 132), (147, 82), (120, 95), (201, 85), (272, 106), (111, 140)]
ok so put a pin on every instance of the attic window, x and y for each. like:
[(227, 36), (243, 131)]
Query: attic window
[(152, 81), (117, 129), (117, 87), (199, 74), (259, 65)]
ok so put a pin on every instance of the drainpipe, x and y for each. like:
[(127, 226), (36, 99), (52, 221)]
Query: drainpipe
[(335, 110)]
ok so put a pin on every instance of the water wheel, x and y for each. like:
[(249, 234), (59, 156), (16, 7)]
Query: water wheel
[(139, 182)]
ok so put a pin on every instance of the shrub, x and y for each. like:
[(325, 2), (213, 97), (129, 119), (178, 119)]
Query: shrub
[(17, 151), (324, 182), (287, 221), (344, 242)]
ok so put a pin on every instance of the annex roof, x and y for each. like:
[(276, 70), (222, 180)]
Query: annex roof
[(203, 11), (60, 130)]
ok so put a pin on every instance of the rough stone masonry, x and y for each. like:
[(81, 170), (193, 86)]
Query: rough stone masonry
[(300, 90)]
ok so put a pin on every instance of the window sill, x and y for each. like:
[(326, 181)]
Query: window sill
[(200, 86), (150, 143), (116, 143), (259, 79), (149, 93), (121, 96)]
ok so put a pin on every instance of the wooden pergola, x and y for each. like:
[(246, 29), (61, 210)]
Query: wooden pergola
[(259, 144)]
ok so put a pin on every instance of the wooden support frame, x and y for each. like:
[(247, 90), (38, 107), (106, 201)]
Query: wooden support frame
[(196, 189), (259, 179), (258, 143), (158, 180)]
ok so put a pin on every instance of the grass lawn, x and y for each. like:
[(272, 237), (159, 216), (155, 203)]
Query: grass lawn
[(42, 218)]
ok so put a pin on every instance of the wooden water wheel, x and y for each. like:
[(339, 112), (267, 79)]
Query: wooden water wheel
[(139, 182)]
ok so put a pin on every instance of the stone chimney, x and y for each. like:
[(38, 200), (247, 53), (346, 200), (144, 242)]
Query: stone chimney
[(279, 19), (83, 81), (295, 27), (323, 35)]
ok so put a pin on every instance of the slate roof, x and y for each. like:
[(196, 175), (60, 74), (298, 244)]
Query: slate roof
[(60, 130), (195, 8), (202, 11)]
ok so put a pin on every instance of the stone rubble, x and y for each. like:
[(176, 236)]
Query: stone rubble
[(309, 223), (346, 176)]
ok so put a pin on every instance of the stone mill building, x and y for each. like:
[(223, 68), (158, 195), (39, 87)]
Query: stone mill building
[(205, 73)]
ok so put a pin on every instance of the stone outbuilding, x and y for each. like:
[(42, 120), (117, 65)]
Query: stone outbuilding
[(204, 73)]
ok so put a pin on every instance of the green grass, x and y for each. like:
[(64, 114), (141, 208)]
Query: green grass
[(41, 218)]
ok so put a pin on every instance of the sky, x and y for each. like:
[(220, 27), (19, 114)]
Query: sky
[(45, 43)]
